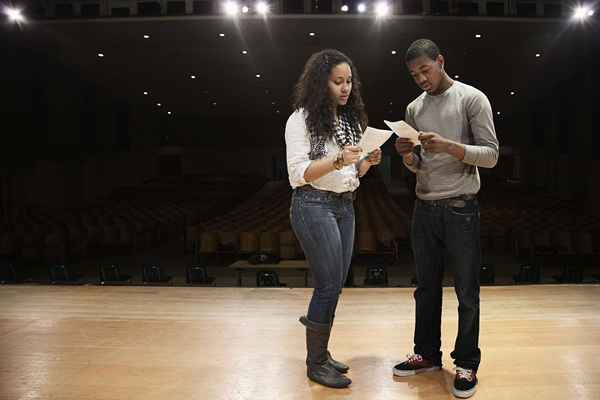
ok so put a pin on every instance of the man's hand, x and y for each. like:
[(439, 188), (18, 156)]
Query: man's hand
[(404, 146), (433, 143)]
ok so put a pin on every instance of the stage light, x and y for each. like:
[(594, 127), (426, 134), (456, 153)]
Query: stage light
[(512, 93), (498, 113), (528, 274), (245, 9), (312, 34), (244, 52), (169, 113), (394, 52), (537, 55), (221, 35), (345, 8), (146, 93), (376, 276), (158, 105), (456, 76), (478, 36), (101, 55), (487, 275), (582, 13), (192, 76), (382, 9), (14, 15), (362, 7), (258, 75), (146, 36), (262, 8), (231, 8)]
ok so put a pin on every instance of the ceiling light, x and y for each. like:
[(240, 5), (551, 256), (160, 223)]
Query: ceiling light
[(382, 9), (262, 8), (14, 15), (231, 8)]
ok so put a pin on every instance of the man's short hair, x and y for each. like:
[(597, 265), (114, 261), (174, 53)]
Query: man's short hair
[(422, 47)]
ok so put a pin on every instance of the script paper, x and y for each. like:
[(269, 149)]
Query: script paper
[(404, 130), (373, 138)]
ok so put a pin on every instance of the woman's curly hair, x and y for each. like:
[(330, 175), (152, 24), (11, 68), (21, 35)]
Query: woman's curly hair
[(312, 94)]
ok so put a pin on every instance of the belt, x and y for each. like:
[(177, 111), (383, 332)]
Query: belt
[(343, 195), (458, 201)]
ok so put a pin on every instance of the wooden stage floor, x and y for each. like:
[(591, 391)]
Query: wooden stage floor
[(146, 343)]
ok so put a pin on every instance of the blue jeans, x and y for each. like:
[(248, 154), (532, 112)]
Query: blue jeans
[(447, 235), (324, 225)]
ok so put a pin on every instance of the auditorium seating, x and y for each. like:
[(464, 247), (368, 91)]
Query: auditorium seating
[(261, 224), (130, 220), (539, 229)]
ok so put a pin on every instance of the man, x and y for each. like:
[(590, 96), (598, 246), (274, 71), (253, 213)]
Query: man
[(457, 136)]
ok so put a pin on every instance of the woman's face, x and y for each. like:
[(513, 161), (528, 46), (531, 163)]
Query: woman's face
[(340, 84)]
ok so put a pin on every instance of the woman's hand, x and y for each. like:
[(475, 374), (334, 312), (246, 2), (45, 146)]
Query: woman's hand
[(374, 157), (351, 155)]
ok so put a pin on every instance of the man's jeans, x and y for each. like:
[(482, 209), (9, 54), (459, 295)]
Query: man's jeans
[(446, 233)]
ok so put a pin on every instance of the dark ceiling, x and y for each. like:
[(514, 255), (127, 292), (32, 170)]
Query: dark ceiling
[(502, 60)]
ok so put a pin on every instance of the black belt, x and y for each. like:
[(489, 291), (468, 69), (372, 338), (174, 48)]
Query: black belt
[(343, 195), (458, 201)]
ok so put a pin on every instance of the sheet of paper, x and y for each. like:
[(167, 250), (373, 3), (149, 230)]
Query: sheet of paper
[(404, 130), (373, 138)]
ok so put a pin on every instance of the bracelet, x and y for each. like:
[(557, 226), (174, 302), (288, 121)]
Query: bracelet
[(338, 163)]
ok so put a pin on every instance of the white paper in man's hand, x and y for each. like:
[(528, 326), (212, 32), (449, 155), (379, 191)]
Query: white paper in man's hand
[(404, 130), (373, 138)]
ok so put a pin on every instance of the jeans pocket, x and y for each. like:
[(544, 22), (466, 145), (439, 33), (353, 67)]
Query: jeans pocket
[(462, 212), (466, 217)]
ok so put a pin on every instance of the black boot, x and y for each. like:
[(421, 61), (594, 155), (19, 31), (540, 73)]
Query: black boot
[(317, 361), (340, 366)]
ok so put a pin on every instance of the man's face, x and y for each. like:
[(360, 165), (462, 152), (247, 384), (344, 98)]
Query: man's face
[(427, 73)]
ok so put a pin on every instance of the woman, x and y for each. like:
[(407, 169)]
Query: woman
[(324, 167)]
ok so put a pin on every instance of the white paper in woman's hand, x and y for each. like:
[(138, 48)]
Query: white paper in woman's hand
[(373, 138)]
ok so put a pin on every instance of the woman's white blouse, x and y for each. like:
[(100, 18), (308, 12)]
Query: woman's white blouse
[(297, 149)]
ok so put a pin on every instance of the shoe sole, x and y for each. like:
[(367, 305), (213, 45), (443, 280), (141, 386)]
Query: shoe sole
[(399, 372), (339, 386), (463, 394)]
